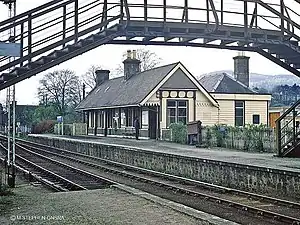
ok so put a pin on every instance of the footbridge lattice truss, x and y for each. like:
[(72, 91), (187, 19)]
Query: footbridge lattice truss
[(62, 29)]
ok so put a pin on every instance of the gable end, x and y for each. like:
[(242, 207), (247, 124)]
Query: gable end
[(178, 81), (189, 76)]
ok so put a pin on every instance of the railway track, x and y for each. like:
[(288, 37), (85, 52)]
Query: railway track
[(272, 208), (224, 202), (53, 173)]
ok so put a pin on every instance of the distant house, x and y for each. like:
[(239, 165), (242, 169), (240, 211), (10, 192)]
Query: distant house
[(162, 96)]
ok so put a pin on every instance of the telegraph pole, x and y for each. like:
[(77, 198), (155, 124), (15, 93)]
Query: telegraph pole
[(10, 99)]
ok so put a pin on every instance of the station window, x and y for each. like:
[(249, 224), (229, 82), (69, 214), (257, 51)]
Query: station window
[(110, 117), (98, 115), (239, 113), (256, 119), (92, 119), (123, 117), (176, 111), (130, 117), (101, 119)]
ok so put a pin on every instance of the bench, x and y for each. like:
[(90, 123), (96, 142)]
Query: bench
[(194, 133)]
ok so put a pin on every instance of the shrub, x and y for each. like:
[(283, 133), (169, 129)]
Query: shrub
[(255, 138), (220, 132), (208, 136), (46, 126), (179, 133)]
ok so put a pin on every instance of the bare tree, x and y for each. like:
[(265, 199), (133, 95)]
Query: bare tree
[(148, 59), (89, 78), (61, 89)]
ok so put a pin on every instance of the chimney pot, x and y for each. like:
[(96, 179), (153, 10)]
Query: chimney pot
[(134, 54), (129, 54)]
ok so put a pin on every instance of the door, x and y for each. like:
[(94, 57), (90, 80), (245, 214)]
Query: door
[(152, 123), (273, 117)]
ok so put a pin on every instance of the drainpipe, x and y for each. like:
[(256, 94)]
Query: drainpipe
[(218, 114)]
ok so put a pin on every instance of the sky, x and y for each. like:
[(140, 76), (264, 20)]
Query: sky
[(197, 60)]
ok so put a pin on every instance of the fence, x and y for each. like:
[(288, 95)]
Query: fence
[(71, 129), (250, 138)]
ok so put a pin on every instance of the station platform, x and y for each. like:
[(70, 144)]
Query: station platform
[(32, 204), (264, 160)]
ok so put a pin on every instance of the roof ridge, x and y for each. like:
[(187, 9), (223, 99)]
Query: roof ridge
[(159, 67), (110, 98), (206, 75), (218, 82)]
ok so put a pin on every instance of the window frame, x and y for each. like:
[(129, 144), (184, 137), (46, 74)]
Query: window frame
[(123, 117), (93, 119), (177, 107), (238, 107), (130, 117), (258, 116), (98, 119)]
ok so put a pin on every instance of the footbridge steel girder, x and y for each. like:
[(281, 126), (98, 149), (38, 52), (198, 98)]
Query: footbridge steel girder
[(62, 29)]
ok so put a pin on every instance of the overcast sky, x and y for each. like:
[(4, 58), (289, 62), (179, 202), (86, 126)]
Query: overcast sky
[(197, 60)]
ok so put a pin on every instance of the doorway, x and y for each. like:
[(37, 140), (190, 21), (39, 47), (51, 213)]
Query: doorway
[(152, 123)]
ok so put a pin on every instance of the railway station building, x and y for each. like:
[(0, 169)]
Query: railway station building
[(169, 94)]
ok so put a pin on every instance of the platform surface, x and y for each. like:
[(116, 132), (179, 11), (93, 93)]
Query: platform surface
[(265, 160), (33, 204)]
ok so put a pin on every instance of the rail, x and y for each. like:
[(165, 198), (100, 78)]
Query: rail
[(34, 176)]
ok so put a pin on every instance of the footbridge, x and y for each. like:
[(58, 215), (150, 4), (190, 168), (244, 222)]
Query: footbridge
[(62, 29)]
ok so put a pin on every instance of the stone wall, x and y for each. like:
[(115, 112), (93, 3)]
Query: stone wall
[(248, 178)]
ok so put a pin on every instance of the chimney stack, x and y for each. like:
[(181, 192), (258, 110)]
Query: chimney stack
[(241, 69), (101, 76), (131, 64)]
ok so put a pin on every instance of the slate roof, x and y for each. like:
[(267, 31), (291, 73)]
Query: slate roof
[(121, 92), (223, 83)]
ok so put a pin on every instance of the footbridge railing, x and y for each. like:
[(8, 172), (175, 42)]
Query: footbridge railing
[(267, 27), (55, 25)]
